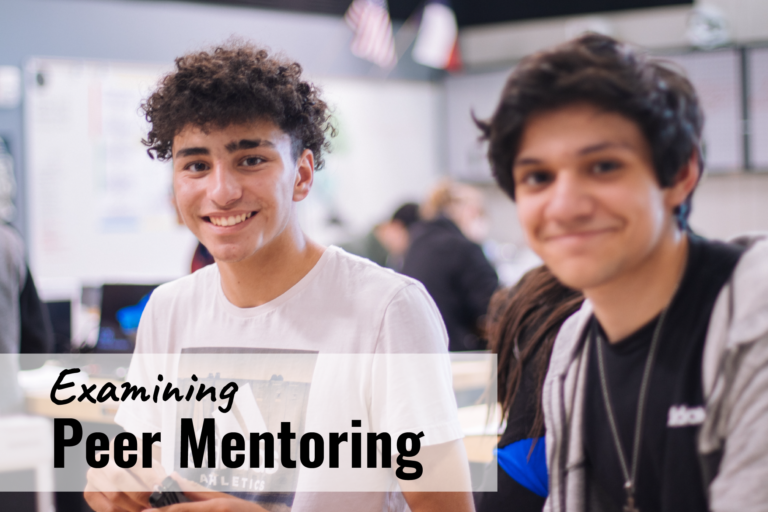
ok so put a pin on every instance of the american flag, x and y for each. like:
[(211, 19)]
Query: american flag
[(373, 32)]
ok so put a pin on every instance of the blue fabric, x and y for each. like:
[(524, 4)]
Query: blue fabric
[(530, 472)]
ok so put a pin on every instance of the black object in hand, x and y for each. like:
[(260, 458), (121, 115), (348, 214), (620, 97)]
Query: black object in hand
[(167, 493)]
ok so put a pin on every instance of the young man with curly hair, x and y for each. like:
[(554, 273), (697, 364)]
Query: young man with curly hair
[(656, 398), (246, 134)]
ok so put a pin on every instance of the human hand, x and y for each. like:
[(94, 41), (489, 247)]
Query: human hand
[(114, 489)]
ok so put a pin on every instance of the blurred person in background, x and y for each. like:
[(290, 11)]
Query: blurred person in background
[(656, 397), (523, 322), (24, 323), (445, 255), (12, 278), (387, 242), (395, 235)]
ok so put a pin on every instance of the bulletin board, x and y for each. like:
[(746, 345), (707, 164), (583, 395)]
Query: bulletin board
[(758, 104), (714, 74), (100, 209), (716, 77)]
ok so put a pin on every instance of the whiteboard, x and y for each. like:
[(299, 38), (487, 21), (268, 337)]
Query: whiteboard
[(100, 209)]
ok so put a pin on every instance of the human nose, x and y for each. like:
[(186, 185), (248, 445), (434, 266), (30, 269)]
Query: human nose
[(224, 188), (570, 201)]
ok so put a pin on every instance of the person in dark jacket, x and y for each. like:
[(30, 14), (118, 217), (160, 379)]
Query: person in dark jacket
[(452, 267), (25, 326), (387, 242)]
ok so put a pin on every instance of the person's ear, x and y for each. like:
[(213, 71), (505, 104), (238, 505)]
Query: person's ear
[(305, 175), (685, 182)]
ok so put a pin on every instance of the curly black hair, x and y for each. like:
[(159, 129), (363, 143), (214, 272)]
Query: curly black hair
[(600, 70), (237, 83)]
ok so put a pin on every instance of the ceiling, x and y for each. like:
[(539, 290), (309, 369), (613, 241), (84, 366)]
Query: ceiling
[(468, 12)]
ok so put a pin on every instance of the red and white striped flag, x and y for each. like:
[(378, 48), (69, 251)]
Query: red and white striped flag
[(373, 32)]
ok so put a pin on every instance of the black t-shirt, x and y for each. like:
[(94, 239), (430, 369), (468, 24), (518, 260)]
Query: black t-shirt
[(669, 475), (522, 412), (510, 494)]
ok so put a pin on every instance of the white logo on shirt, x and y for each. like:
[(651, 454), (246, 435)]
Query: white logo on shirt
[(684, 416)]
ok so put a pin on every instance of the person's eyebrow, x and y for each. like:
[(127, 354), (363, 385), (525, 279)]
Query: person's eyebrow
[(248, 144), (191, 152), (584, 151), (526, 161), (603, 146)]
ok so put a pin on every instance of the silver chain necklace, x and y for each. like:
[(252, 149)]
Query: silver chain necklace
[(629, 475)]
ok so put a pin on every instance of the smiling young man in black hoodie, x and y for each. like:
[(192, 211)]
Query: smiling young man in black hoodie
[(656, 397)]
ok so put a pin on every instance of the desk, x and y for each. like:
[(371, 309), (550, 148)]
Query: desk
[(39, 402)]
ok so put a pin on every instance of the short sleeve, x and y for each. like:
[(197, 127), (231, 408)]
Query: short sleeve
[(412, 324), (411, 379)]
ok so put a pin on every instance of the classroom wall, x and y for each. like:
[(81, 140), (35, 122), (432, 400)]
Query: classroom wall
[(728, 205), (157, 32)]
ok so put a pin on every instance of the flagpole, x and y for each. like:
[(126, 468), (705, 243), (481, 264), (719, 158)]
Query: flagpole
[(411, 20), (403, 34)]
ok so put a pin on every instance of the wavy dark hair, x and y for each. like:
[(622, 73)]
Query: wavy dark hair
[(600, 70), (237, 83), (523, 322)]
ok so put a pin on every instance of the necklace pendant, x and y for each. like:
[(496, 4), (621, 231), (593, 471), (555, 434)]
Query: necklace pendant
[(630, 506)]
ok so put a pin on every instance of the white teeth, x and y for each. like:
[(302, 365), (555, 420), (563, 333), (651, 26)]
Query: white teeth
[(230, 221)]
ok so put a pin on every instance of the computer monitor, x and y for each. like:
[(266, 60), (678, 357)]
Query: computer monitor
[(121, 309), (60, 313)]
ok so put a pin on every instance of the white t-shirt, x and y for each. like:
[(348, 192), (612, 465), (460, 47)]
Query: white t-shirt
[(354, 315)]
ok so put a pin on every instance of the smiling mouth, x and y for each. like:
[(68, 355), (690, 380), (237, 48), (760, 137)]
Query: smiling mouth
[(232, 220), (580, 234)]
